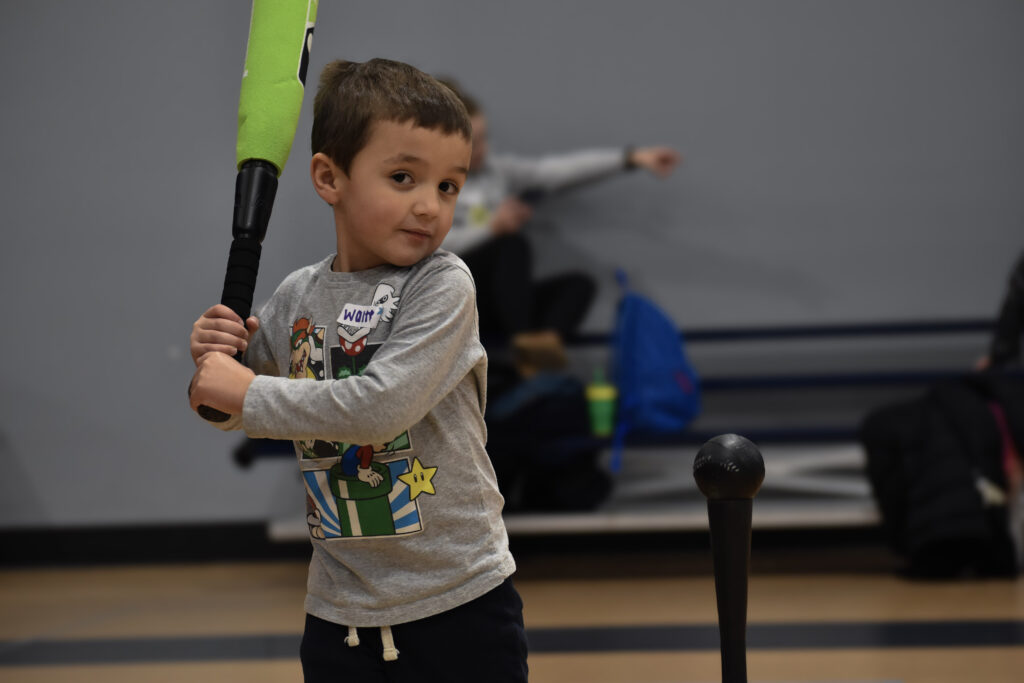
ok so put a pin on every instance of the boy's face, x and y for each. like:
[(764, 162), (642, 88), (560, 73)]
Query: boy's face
[(396, 203)]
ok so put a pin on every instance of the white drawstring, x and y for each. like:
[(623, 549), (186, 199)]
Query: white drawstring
[(387, 640)]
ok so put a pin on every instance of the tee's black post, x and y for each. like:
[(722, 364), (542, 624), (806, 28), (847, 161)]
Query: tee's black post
[(729, 471)]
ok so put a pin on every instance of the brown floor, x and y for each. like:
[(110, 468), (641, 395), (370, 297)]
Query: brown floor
[(261, 598)]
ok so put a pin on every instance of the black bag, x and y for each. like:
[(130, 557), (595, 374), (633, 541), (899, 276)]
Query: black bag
[(929, 461), (539, 440)]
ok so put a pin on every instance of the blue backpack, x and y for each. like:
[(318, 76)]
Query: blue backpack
[(658, 389)]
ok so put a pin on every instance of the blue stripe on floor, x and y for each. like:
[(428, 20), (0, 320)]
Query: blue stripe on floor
[(802, 636), (836, 635), (135, 650)]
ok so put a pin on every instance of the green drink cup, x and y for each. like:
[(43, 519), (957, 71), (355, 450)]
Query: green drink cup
[(601, 398)]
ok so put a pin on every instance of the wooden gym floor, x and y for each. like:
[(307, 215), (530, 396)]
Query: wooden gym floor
[(827, 615)]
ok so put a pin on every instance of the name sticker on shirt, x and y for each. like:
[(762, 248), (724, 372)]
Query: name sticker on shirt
[(354, 315)]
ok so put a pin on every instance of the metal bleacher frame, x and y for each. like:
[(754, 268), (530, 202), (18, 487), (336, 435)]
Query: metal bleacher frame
[(815, 473)]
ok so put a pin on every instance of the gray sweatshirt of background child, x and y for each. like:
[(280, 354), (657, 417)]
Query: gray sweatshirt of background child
[(386, 411), (508, 175)]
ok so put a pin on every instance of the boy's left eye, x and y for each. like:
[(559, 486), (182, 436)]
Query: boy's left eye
[(449, 187)]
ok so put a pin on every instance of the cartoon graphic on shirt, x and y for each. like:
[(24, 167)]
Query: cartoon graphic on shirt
[(345, 364), (307, 351), (341, 506), (313, 519), (357, 461), (356, 322), (419, 479), (349, 493)]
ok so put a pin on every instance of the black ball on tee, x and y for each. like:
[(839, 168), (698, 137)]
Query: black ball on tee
[(729, 467)]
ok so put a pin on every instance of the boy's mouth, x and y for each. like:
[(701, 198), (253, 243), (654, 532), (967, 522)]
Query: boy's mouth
[(425, 234)]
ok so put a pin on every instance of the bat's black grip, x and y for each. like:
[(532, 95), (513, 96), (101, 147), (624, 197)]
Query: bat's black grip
[(255, 189), (240, 276), (239, 285)]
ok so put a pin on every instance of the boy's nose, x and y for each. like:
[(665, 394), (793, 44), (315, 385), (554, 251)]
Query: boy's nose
[(426, 205)]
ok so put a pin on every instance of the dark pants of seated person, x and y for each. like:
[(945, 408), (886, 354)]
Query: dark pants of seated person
[(480, 641), (510, 301)]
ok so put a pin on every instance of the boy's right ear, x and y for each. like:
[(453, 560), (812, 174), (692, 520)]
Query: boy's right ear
[(327, 178)]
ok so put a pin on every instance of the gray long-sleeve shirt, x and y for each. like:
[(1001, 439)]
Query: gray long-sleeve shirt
[(380, 379), (505, 176)]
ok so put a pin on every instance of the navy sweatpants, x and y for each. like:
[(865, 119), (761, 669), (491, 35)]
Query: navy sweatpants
[(482, 640)]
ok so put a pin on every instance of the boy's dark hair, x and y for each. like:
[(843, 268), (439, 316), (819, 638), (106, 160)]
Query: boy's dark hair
[(472, 106), (352, 96)]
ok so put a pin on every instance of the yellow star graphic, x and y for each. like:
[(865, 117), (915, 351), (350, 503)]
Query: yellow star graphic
[(418, 480)]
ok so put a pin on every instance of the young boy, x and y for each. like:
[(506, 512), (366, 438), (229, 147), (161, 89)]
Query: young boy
[(370, 361)]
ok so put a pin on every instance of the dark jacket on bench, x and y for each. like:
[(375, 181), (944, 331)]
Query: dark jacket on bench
[(1005, 348), (935, 466)]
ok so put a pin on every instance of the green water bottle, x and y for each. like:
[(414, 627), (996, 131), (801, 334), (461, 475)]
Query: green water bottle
[(601, 403)]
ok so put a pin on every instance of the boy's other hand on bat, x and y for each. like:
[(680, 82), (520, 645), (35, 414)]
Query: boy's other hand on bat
[(219, 382), (220, 330)]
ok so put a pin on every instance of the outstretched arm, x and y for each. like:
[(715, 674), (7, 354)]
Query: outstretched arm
[(660, 161), (554, 172), (561, 171)]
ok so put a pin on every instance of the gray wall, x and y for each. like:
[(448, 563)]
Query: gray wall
[(845, 161)]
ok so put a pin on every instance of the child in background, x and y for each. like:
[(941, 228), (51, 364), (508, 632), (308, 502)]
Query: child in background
[(531, 316)]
